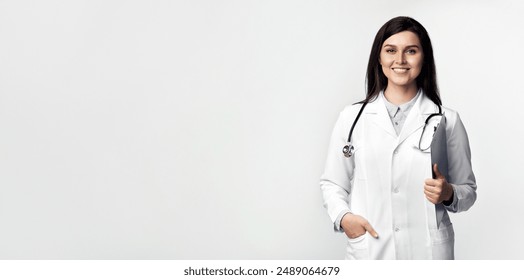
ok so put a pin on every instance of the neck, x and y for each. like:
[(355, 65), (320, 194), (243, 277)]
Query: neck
[(400, 94)]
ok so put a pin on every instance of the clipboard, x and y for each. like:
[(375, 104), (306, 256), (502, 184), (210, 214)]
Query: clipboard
[(439, 155), (439, 149)]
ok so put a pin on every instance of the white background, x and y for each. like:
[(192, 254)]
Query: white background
[(199, 129)]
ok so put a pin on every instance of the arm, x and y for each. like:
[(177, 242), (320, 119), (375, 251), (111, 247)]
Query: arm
[(460, 171), (335, 182)]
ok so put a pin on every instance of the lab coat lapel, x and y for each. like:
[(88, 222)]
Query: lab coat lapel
[(422, 108), (413, 122), (379, 115)]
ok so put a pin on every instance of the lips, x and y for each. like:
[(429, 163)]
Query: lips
[(400, 70)]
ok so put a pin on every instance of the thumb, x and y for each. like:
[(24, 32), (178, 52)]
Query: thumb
[(371, 230), (438, 175)]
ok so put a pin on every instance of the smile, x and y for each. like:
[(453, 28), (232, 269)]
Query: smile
[(400, 70)]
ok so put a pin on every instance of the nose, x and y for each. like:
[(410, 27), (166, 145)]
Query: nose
[(400, 58)]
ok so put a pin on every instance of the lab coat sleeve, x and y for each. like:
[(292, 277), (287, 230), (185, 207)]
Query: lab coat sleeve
[(335, 182), (460, 171)]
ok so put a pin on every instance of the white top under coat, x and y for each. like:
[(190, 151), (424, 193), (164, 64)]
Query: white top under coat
[(399, 113)]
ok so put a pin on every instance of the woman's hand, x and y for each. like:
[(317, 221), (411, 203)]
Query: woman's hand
[(355, 226), (438, 190)]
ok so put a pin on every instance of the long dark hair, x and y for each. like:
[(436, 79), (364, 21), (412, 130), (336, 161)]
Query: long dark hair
[(427, 79)]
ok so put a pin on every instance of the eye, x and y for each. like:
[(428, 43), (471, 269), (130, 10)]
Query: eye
[(390, 50), (411, 51)]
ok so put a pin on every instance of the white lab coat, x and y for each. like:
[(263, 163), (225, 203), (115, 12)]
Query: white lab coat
[(375, 181)]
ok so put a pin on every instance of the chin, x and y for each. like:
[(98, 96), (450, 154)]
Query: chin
[(402, 83)]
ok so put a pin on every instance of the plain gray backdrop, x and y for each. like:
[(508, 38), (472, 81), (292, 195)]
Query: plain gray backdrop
[(199, 129)]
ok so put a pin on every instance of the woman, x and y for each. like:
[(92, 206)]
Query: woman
[(384, 185)]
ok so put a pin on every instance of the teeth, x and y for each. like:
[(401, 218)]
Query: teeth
[(400, 70)]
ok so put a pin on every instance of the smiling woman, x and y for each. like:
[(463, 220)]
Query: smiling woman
[(385, 186), (401, 59)]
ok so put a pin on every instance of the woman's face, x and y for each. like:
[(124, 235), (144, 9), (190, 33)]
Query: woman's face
[(401, 58)]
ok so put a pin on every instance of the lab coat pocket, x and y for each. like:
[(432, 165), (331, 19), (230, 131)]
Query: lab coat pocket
[(357, 248), (443, 242)]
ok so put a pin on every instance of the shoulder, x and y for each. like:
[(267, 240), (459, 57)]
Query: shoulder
[(449, 113), (350, 111), (453, 121)]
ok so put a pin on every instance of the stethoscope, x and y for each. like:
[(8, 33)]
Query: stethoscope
[(349, 148)]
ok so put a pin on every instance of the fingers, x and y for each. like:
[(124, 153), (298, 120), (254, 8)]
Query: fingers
[(437, 194), (432, 189), (432, 197), (355, 226), (352, 225), (431, 182), (438, 175), (370, 229), (436, 190)]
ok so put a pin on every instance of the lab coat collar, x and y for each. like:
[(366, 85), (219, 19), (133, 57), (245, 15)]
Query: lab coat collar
[(414, 121)]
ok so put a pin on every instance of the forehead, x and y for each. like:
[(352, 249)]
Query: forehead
[(404, 38)]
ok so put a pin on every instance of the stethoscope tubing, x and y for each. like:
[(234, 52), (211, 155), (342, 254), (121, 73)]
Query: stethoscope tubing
[(348, 148)]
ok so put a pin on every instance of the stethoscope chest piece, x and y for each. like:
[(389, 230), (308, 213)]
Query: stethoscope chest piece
[(348, 150)]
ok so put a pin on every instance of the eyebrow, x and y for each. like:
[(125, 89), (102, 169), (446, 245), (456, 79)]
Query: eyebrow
[(407, 47)]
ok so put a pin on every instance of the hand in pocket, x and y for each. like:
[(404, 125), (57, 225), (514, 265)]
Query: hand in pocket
[(355, 226)]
